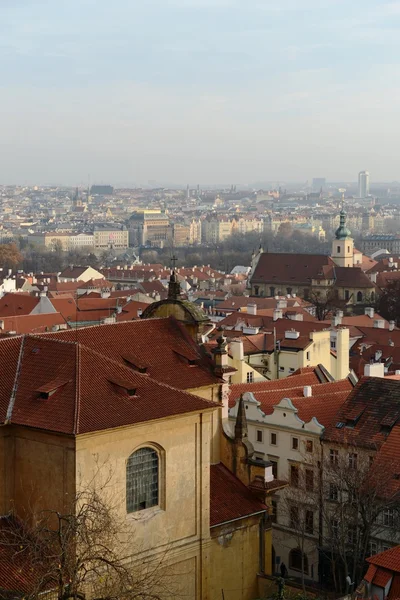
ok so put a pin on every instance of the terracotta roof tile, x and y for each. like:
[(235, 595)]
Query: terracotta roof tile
[(154, 342), (230, 499), (389, 559), (324, 403), (289, 268), (373, 398), (382, 577), (32, 323), (17, 304), (68, 388)]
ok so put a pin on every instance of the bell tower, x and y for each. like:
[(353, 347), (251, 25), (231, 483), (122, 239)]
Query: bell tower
[(343, 244)]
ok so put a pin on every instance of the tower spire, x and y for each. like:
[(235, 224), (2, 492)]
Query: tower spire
[(241, 431), (174, 287)]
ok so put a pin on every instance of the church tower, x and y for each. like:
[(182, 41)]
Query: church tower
[(343, 244)]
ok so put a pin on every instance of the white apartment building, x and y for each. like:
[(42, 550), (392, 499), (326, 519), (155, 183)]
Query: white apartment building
[(111, 237), (81, 240)]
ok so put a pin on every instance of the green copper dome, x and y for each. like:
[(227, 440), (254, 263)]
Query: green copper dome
[(342, 231)]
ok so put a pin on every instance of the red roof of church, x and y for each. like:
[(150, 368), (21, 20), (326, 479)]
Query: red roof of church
[(159, 344), (68, 388)]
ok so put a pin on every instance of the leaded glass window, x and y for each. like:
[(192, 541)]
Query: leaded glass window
[(142, 480)]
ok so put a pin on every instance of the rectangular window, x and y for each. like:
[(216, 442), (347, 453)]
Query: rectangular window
[(388, 517), (333, 345), (281, 369), (273, 439), (294, 475), (294, 517), (309, 446), (373, 548), (295, 443), (309, 480), (250, 377), (274, 468), (352, 460), (259, 436), (309, 522), (333, 492), (308, 355), (333, 456)]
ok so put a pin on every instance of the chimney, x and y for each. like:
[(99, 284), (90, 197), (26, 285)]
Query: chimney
[(391, 325), (379, 323), (374, 370), (369, 311), (139, 312), (220, 355), (278, 314), (342, 353), (397, 372), (307, 391), (292, 334), (236, 349), (336, 321), (252, 309), (372, 277)]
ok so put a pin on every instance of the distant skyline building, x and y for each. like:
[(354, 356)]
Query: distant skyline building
[(363, 184), (318, 183)]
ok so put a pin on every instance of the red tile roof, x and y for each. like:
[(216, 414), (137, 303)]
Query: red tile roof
[(155, 343), (324, 403), (382, 577), (389, 559), (289, 268), (308, 376), (32, 323), (230, 499), (68, 388), (17, 304), (372, 399)]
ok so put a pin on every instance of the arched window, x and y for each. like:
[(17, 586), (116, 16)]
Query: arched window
[(295, 560), (142, 480), (256, 290), (272, 291), (359, 296)]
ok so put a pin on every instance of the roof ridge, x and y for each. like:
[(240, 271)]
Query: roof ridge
[(16, 379)]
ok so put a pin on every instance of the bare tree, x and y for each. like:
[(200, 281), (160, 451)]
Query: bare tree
[(325, 301), (86, 550), (359, 504)]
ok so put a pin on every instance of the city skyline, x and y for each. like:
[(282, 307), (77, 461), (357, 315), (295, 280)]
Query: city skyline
[(199, 91)]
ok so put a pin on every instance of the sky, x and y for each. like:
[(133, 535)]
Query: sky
[(198, 91)]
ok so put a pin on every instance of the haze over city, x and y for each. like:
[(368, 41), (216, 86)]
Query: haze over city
[(198, 90)]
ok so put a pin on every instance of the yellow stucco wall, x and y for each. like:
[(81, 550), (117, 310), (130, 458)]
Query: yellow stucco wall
[(37, 470), (235, 559), (182, 519)]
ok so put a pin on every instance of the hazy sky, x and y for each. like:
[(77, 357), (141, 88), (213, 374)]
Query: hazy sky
[(198, 90)]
